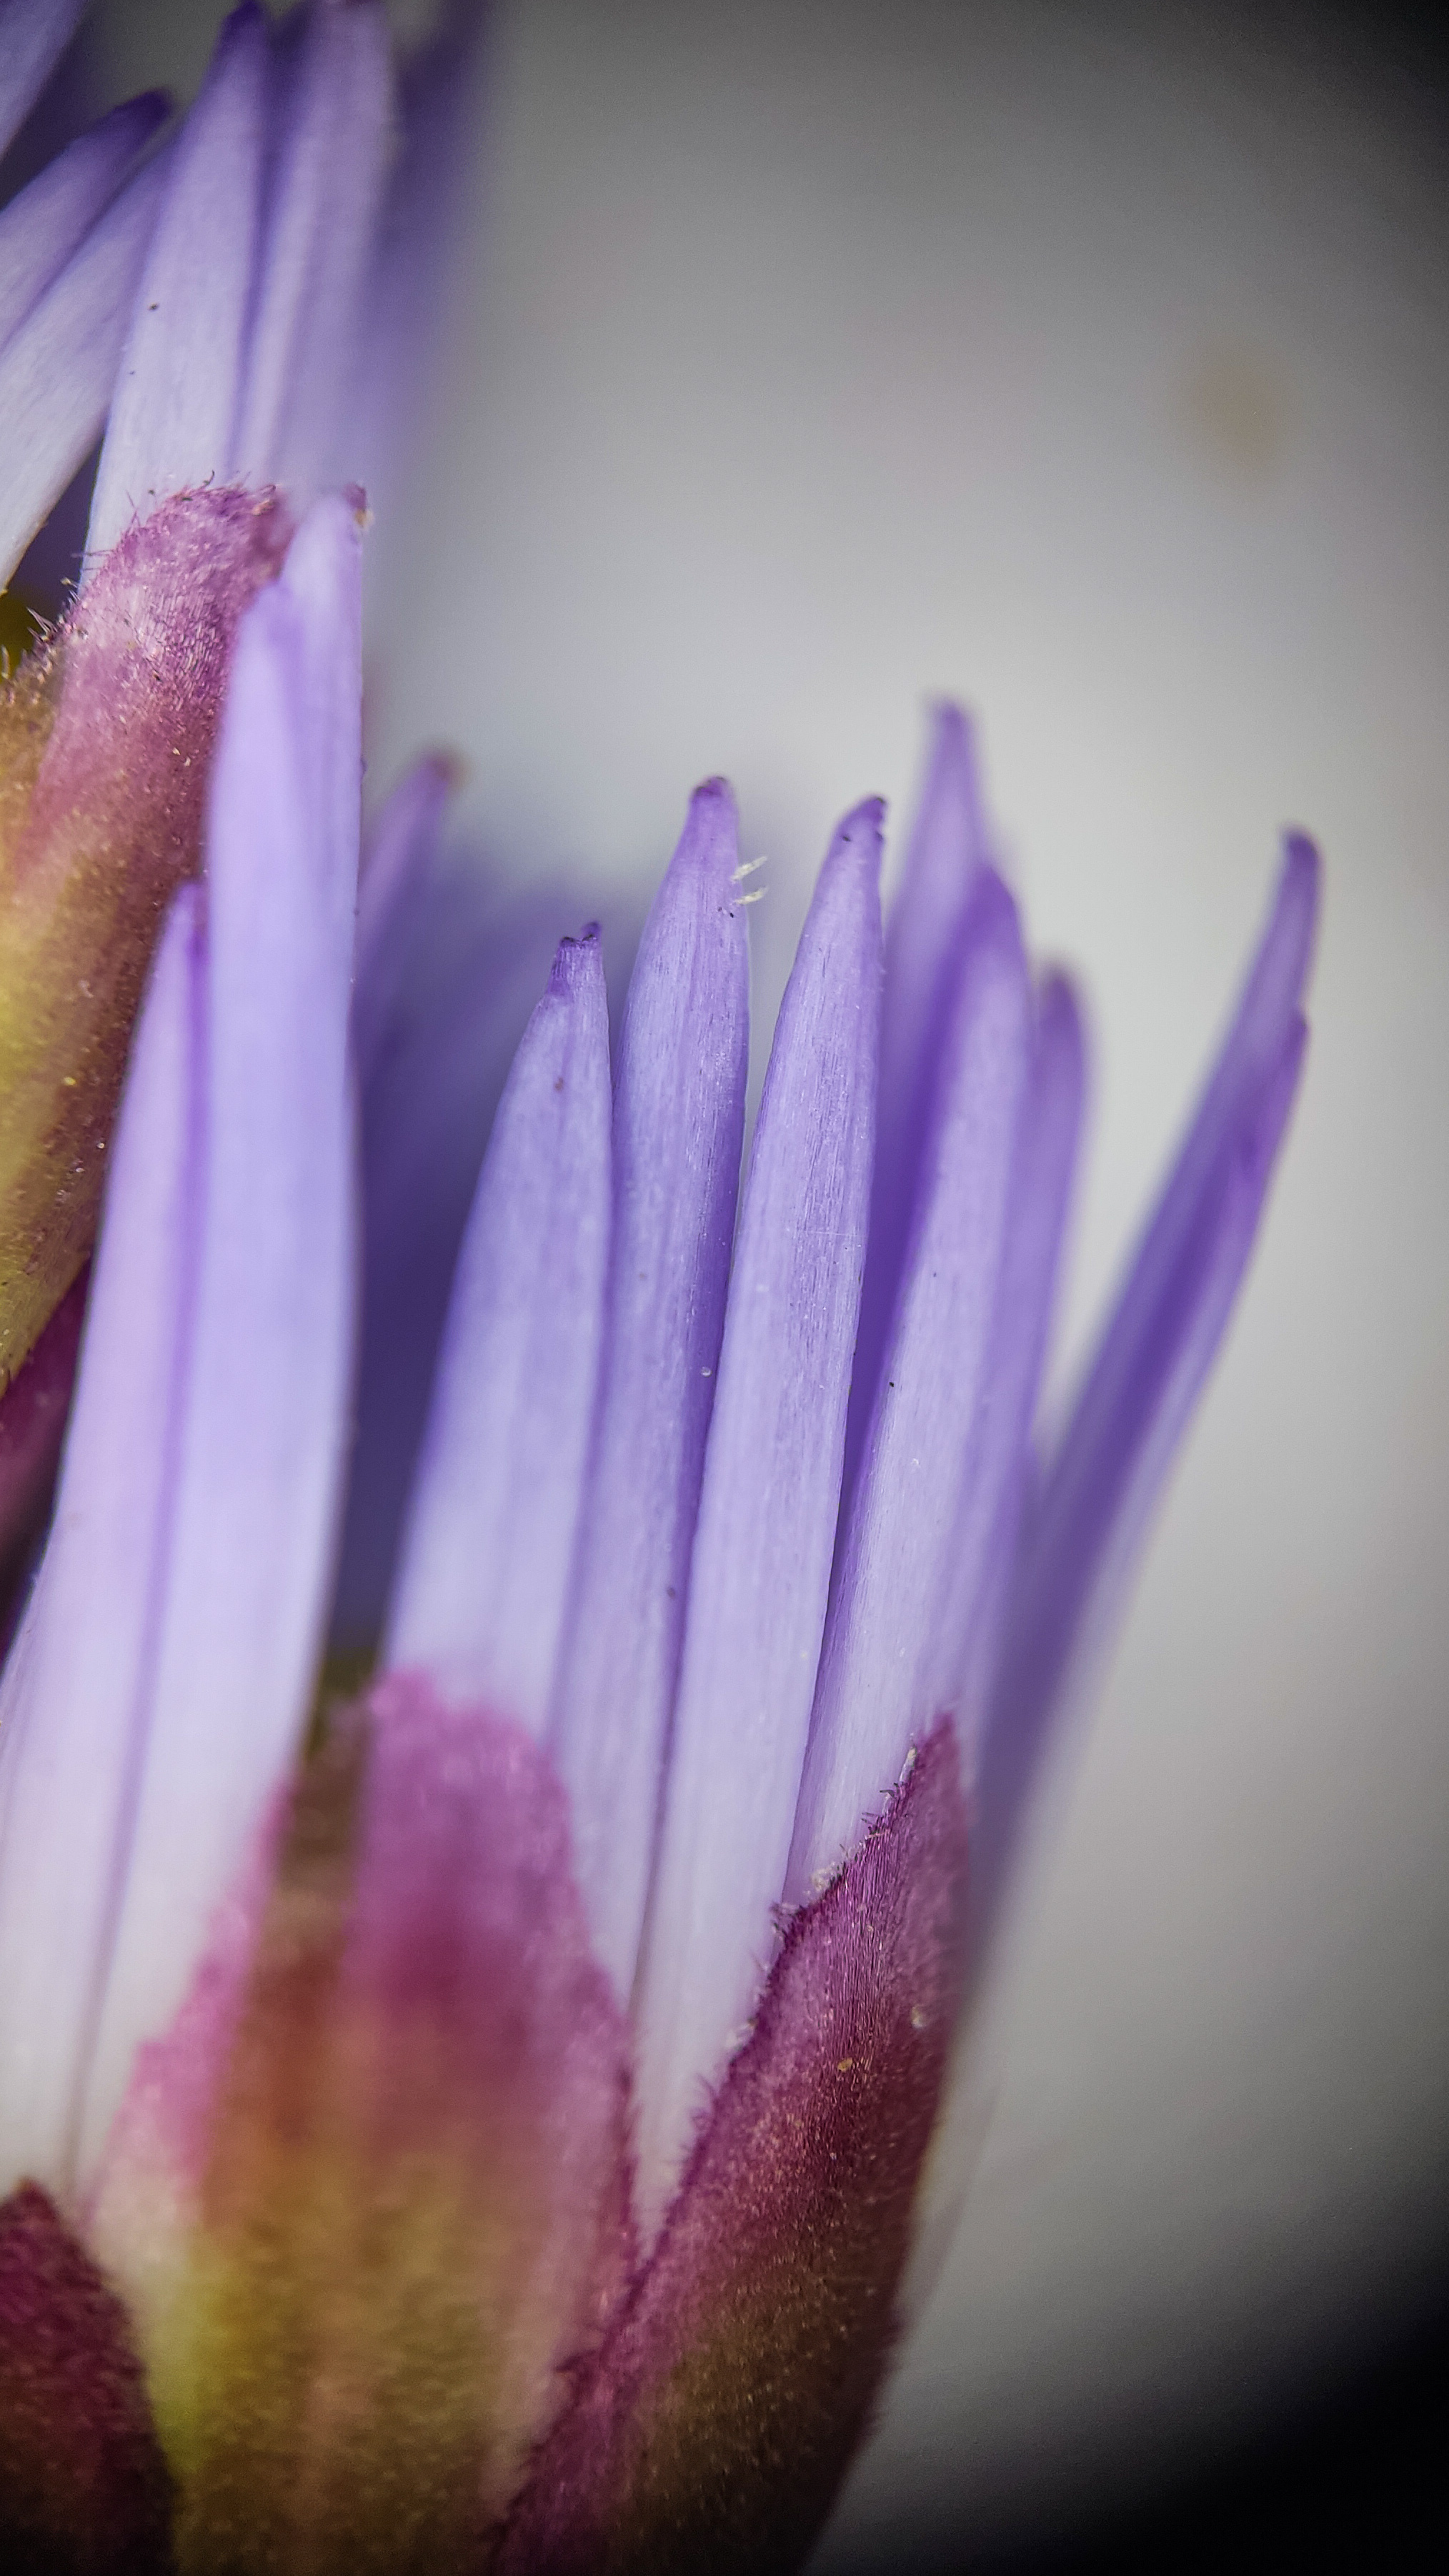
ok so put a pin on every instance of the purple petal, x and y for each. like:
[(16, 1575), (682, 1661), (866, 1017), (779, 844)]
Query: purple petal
[(678, 1123), (948, 845), (73, 1704), (58, 368), (470, 965), (174, 411), (1043, 1166), (489, 1545), (422, 235), (398, 850), (1249, 1056), (1087, 1523), (760, 1572), (33, 1412), (711, 2430), (49, 220), (259, 1456), (321, 216), (33, 36), (890, 1662)]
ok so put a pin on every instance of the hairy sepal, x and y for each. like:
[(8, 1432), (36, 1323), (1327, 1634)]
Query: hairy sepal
[(367, 2202), (712, 2427), (105, 741)]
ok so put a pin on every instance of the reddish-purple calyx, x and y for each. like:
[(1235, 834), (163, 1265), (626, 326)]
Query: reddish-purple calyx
[(82, 2480), (712, 2427)]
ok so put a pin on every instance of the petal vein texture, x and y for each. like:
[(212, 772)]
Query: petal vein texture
[(73, 1704), (174, 412), (33, 36), (489, 1546), (678, 1125), (905, 1586), (261, 1443), (58, 368), (49, 220), (1085, 1525), (760, 1572), (323, 202), (948, 845)]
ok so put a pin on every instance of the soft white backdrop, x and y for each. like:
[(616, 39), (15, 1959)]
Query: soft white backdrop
[(1089, 361)]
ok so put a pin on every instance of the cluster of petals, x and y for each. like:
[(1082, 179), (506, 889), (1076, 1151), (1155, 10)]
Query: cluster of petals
[(632, 1908)]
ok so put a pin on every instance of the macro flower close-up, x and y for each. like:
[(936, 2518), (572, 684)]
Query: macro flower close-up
[(557, 1502)]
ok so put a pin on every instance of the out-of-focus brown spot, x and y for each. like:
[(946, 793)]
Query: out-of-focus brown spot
[(1236, 410)]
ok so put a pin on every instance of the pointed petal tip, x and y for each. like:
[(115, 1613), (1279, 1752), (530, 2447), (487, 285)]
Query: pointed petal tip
[(329, 535), (710, 838), (1060, 1008), (578, 963), (447, 769), (864, 823), (712, 805), (857, 844), (1302, 867), (1291, 931), (993, 915), (146, 110), (952, 761), (951, 724)]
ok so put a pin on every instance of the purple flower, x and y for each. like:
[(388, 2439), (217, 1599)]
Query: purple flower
[(486, 2117)]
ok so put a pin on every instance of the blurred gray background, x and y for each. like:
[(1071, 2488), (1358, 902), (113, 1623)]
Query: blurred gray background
[(1089, 361)]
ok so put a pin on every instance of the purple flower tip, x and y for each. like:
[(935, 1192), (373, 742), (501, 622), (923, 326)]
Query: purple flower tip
[(577, 962), (864, 821), (709, 841)]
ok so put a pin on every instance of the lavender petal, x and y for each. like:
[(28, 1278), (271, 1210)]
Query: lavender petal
[(678, 1123), (1249, 1055), (948, 845), (1043, 1166), (421, 234), (33, 36), (174, 411), (48, 221), (73, 1699), (321, 218), (260, 1451), (760, 1573), (888, 1667), (469, 969), (398, 849), (1086, 1525), (58, 368), (489, 1545)]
